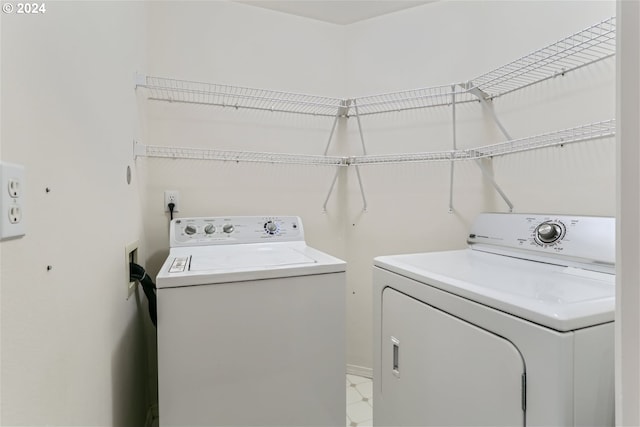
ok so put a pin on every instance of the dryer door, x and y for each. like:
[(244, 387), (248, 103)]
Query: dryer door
[(438, 370)]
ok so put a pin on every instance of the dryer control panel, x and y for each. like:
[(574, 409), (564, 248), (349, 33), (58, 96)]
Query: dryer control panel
[(203, 231), (588, 240)]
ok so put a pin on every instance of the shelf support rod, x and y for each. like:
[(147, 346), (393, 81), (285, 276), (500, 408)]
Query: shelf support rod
[(364, 153), (482, 97), (333, 184), (495, 185), (342, 112), (333, 128), (364, 199), (453, 112), (355, 106)]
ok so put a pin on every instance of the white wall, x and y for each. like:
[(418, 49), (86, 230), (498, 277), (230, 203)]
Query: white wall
[(628, 217), (73, 348)]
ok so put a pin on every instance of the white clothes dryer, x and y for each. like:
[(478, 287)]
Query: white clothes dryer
[(517, 329), (251, 326)]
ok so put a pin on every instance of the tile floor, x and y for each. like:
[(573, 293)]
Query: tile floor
[(359, 401)]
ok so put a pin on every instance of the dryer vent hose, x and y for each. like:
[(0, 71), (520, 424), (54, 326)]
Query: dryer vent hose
[(136, 272)]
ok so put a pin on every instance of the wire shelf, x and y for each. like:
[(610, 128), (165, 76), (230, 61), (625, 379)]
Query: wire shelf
[(410, 100), (235, 156), (171, 90), (583, 133), (590, 45), (587, 132), (434, 156)]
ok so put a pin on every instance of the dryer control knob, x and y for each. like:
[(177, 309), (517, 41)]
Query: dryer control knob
[(228, 228), (548, 232), (190, 229), (209, 229), (271, 227)]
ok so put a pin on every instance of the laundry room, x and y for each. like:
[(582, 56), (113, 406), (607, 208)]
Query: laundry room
[(362, 129)]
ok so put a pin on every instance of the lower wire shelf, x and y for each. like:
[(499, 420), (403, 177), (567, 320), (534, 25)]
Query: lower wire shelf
[(598, 130), (142, 150), (592, 131)]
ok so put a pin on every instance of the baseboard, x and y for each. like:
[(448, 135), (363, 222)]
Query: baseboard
[(360, 371)]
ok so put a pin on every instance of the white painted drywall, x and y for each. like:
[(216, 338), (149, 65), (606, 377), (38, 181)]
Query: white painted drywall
[(628, 216), (73, 347)]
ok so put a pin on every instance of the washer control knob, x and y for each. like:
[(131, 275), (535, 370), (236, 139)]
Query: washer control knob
[(209, 229), (548, 232), (190, 229), (228, 228), (271, 227)]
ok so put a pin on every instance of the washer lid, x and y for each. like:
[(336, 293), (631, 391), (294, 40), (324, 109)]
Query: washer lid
[(559, 297), (246, 256), (190, 266)]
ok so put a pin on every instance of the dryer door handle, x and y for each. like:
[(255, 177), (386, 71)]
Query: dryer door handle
[(395, 369)]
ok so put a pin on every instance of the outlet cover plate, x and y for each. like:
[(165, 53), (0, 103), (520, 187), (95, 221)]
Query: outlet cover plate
[(12, 201), (130, 255), (172, 196)]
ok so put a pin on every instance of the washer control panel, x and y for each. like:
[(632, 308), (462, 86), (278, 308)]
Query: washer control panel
[(238, 229), (588, 239)]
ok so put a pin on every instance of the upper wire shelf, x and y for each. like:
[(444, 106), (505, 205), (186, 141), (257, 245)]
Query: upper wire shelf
[(171, 90), (410, 100), (585, 47)]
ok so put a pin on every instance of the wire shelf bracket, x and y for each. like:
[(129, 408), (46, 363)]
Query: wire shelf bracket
[(487, 105), (490, 178)]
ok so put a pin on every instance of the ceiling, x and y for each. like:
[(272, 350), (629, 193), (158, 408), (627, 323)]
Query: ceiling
[(336, 11)]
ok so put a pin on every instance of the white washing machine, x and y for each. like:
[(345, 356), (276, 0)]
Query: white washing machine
[(517, 329), (251, 326)]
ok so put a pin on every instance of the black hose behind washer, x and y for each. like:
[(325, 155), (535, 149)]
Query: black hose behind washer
[(136, 272)]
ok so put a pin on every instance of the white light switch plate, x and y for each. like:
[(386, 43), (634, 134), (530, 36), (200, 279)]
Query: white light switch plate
[(12, 199)]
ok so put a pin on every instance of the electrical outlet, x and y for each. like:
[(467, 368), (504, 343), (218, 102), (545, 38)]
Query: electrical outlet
[(171, 196), (130, 255), (14, 187), (15, 214), (12, 201)]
